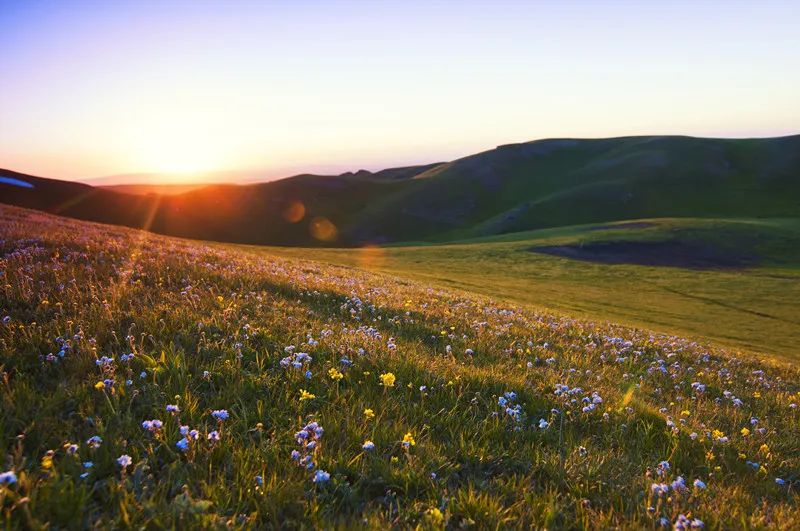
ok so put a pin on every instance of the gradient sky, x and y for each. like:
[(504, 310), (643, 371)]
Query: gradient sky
[(90, 89)]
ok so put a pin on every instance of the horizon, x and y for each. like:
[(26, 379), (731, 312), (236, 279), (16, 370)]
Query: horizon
[(181, 90), (240, 177)]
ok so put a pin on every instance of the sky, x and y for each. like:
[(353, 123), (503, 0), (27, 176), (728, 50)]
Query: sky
[(262, 90)]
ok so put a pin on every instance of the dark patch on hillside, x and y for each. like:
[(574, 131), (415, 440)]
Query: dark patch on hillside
[(621, 226), (671, 253)]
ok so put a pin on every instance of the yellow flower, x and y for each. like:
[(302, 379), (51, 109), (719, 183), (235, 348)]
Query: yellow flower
[(99, 386), (408, 440), (369, 414), (305, 395), (756, 395), (335, 374), (47, 460), (435, 516), (685, 413), (387, 379), (717, 434), (764, 449), (745, 432)]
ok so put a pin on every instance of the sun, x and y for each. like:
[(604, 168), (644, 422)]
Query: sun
[(181, 157)]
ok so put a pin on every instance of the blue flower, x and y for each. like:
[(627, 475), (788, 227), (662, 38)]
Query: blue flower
[(8, 478), (213, 436), (320, 476), (172, 408), (220, 414), (259, 481), (124, 461), (183, 444)]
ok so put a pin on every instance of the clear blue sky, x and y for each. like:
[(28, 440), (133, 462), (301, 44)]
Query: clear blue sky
[(89, 89)]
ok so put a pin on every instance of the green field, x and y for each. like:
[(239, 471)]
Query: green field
[(753, 308), (151, 382)]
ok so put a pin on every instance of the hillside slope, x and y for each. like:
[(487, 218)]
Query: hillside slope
[(546, 183), (150, 382)]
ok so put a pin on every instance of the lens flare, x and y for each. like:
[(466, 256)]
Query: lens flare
[(323, 229), (371, 257), (294, 212)]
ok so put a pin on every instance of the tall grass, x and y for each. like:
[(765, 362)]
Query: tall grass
[(496, 416)]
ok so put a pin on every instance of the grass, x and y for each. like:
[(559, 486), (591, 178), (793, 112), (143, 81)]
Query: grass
[(752, 309), (209, 326)]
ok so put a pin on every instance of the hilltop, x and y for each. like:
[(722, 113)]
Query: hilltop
[(533, 185), (149, 381)]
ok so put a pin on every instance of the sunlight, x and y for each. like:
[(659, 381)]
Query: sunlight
[(180, 156)]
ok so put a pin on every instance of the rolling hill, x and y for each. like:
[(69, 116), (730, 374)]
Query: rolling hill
[(533, 185)]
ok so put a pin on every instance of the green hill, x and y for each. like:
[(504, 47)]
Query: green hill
[(546, 183)]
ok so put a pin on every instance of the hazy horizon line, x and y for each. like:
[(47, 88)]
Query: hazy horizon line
[(268, 175)]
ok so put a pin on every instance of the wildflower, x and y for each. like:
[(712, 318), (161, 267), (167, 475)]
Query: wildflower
[(699, 484), (543, 424), (582, 451), (259, 481), (94, 442), (184, 430), (387, 379), (780, 481), (321, 476), (99, 386), (408, 440), (213, 436), (659, 489), (435, 516), (369, 414), (72, 449), (764, 449), (305, 395), (152, 425), (220, 414), (183, 444), (143, 375), (8, 478), (124, 461), (172, 408), (335, 374), (309, 374), (745, 432), (679, 484), (368, 445)]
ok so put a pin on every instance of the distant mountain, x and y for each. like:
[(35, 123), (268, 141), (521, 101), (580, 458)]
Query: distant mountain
[(158, 189), (516, 187)]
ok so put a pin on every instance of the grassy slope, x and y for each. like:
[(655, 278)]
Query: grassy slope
[(184, 308), (754, 309)]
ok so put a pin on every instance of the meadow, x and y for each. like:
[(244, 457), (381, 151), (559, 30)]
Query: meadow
[(153, 382), (749, 306)]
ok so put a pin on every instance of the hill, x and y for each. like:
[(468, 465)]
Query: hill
[(156, 382), (546, 183)]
